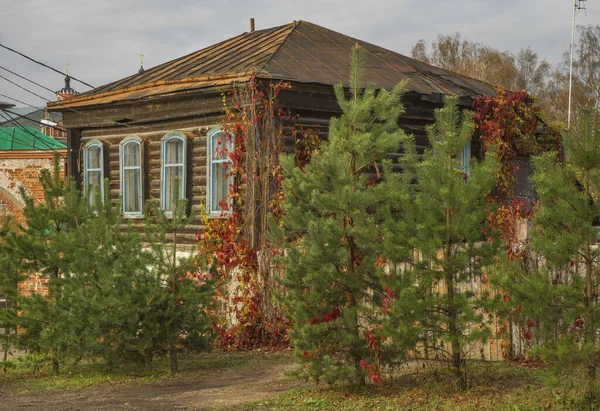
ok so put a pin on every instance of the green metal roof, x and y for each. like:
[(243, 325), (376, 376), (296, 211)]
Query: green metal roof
[(26, 138)]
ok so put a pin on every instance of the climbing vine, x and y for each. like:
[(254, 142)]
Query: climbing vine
[(235, 243), (511, 123)]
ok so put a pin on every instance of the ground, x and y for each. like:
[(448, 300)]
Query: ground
[(235, 383), (255, 380)]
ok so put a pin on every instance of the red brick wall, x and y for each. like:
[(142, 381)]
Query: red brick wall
[(35, 283), (22, 168), (16, 172)]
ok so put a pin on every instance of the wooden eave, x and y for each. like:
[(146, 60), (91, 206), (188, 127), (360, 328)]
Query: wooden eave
[(31, 154), (159, 88)]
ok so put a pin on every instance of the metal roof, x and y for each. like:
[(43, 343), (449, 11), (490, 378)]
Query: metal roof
[(26, 138), (27, 116), (300, 51)]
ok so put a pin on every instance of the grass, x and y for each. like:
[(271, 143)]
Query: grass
[(494, 386), (90, 375)]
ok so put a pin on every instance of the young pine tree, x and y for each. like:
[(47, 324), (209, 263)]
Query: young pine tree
[(331, 238), (184, 295), (442, 220), (108, 296), (560, 295), (10, 276)]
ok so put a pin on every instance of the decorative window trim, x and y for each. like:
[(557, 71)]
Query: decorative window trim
[(86, 169), (209, 167), (122, 168), (465, 157), (163, 184)]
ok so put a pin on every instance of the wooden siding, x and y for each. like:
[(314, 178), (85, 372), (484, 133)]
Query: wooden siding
[(196, 164), (195, 114)]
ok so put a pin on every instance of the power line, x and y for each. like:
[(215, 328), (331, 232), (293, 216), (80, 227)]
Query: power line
[(12, 135), (19, 101), (61, 104), (14, 138), (23, 88), (25, 78), (23, 128), (30, 119), (44, 65)]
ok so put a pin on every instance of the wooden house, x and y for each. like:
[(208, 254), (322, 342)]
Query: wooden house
[(140, 131)]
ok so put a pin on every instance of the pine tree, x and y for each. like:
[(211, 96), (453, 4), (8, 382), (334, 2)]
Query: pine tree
[(109, 296), (331, 237), (441, 219), (559, 294), (35, 246), (185, 291), (10, 276)]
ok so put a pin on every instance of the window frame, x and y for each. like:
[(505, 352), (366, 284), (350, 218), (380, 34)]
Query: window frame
[(465, 157), (209, 165), (90, 144), (172, 135), (122, 168)]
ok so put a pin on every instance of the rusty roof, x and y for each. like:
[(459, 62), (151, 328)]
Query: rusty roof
[(302, 52)]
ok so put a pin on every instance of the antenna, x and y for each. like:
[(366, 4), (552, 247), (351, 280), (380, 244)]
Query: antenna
[(577, 5)]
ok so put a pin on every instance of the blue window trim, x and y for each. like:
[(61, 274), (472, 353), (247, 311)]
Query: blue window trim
[(210, 182), (122, 168), (163, 184), (465, 158)]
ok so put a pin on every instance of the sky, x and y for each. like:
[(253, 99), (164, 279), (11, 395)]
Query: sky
[(102, 39)]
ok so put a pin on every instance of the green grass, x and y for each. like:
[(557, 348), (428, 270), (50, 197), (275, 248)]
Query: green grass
[(494, 386), (21, 379)]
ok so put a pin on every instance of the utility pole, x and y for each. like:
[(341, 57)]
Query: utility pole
[(577, 5)]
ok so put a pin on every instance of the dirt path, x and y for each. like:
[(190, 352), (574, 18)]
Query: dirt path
[(222, 390)]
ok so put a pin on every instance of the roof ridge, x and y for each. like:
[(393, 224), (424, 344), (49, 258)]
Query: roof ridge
[(295, 24)]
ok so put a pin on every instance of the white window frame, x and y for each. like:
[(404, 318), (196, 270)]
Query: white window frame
[(122, 168), (163, 184), (210, 163), (86, 169)]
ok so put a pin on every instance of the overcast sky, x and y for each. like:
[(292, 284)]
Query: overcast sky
[(101, 39)]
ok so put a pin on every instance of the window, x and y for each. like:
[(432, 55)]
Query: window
[(220, 145), (93, 171), (465, 157), (131, 176), (173, 167)]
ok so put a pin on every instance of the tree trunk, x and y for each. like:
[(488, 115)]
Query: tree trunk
[(453, 330), (355, 351), (454, 333), (173, 357), (5, 350), (590, 326), (6, 340), (360, 374), (55, 366)]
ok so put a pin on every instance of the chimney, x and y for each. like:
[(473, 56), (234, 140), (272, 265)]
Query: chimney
[(251, 24)]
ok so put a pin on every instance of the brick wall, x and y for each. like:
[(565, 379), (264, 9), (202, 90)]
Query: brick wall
[(22, 169)]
